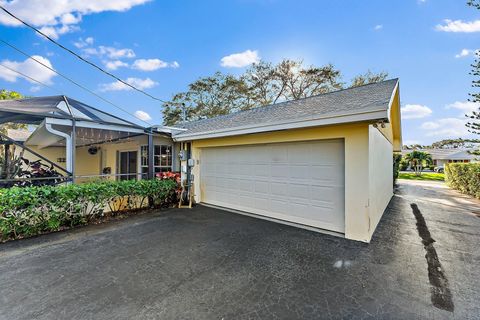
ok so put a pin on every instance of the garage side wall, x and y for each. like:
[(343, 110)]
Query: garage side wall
[(356, 137), (380, 175)]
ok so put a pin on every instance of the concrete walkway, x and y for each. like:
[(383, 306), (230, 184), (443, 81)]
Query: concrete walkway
[(423, 263)]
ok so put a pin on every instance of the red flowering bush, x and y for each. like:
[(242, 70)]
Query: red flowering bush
[(173, 176)]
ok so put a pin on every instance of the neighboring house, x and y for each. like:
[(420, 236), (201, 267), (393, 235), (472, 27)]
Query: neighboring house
[(442, 156), (323, 162)]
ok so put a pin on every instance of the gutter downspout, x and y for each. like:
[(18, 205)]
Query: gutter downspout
[(68, 144), (73, 139)]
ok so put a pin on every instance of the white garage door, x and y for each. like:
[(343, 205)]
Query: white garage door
[(301, 182)]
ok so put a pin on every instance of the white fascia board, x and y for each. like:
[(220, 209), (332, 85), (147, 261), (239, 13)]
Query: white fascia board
[(168, 129), (359, 117), (93, 125), (390, 103)]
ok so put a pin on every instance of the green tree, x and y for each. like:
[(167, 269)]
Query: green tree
[(9, 165), (474, 3), (261, 84), (368, 77), (10, 95), (473, 124), (455, 143), (208, 97), (418, 160)]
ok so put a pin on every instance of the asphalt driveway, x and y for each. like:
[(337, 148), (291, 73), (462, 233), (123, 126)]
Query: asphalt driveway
[(211, 264)]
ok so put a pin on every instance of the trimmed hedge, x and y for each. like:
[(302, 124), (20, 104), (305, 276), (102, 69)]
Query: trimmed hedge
[(30, 211), (465, 177)]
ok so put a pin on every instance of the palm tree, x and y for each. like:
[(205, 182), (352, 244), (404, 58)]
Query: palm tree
[(418, 159)]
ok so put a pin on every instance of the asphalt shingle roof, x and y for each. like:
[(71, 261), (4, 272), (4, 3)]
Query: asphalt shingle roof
[(367, 98)]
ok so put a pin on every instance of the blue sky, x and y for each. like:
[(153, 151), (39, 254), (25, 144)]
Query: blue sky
[(162, 46)]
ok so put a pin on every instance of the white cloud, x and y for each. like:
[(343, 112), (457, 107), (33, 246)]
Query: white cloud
[(115, 64), (415, 111), (136, 82), (466, 106), (56, 32), (60, 16), (464, 53), (378, 27), (149, 64), (153, 64), (446, 128), (142, 115), (29, 68), (459, 26), (239, 60), (81, 43), (110, 52), (35, 89)]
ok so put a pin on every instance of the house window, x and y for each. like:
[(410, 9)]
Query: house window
[(162, 159)]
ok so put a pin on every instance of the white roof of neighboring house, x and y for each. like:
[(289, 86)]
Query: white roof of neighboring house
[(447, 154), (20, 135)]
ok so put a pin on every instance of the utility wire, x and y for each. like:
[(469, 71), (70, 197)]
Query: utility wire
[(72, 81), (80, 57), (30, 78)]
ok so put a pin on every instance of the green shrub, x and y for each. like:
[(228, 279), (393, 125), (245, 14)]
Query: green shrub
[(33, 210), (397, 159), (465, 177)]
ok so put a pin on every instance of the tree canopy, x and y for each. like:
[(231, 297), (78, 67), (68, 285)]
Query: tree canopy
[(459, 143), (418, 159), (9, 95), (261, 84), (473, 124)]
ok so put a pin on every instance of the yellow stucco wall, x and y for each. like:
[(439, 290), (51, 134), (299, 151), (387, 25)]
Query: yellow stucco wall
[(356, 137), (380, 176), (87, 164), (52, 153)]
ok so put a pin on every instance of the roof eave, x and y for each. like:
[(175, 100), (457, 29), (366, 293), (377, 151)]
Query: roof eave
[(371, 116)]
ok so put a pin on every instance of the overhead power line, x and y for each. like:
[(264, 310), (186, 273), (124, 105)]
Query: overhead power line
[(80, 57), (30, 78), (72, 81)]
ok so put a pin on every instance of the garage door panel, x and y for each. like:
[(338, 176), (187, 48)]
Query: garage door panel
[(298, 191), (302, 182), (277, 154), (325, 173), (278, 189), (261, 170), (299, 154), (299, 172)]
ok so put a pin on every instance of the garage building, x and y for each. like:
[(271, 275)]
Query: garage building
[(323, 162)]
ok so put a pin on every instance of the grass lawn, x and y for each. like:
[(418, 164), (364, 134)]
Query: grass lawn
[(432, 176)]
